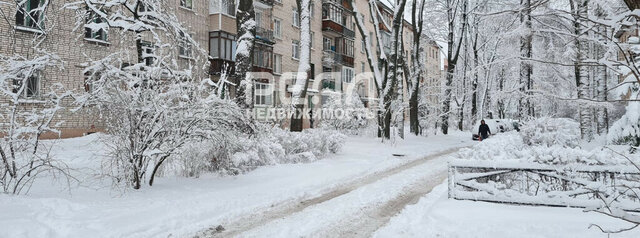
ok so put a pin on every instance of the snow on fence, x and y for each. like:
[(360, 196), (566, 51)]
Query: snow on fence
[(539, 184)]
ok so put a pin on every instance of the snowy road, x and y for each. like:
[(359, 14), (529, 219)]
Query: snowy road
[(356, 209)]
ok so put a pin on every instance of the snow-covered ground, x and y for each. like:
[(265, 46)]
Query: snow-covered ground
[(436, 216), (183, 206)]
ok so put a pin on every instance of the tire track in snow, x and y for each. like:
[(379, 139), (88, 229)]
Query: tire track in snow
[(379, 216)]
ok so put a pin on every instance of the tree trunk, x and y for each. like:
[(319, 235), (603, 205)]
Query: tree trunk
[(416, 71), (244, 56), (525, 105), (581, 72), (299, 94)]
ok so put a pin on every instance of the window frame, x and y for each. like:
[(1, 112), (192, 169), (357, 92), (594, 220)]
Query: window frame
[(185, 48), (277, 28), (263, 94), (27, 18), (183, 4), (295, 49), (27, 93), (277, 64), (91, 35)]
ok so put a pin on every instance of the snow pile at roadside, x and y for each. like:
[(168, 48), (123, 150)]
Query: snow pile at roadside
[(545, 141), (436, 216)]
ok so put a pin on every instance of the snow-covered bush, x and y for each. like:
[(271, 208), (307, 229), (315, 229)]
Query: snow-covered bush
[(626, 131), (510, 147), (551, 131), (237, 153), (347, 115)]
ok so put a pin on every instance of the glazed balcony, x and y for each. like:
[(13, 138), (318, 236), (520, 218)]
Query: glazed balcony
[(329, 84), (265, 35), (347, 61), (219, 65)]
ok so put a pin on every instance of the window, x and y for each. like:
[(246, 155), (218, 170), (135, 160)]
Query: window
[(296, 18), (295, 49), (94, 28), (327, 44), (263, 94), (277, 28), (362, 46), (312, 11), (148, 53), (29, 14), (186, 4), (222, 45), (362, 68), (277, 64), (347, 74), (32, 88), (262, 57), (311, 40), (227, 7), (346, 46), (312, 72), (184, 46), (258, 17)]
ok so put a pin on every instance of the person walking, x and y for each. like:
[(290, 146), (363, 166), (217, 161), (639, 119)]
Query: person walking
[(484, 130)]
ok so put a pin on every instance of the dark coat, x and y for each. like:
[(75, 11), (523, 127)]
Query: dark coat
[(484, 131)]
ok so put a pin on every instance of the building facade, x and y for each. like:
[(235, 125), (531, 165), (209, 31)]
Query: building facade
[(337, 48)]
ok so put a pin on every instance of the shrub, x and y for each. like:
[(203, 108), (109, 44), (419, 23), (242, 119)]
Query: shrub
[(551, 131)]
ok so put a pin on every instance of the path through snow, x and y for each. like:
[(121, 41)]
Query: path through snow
[(355, 209)]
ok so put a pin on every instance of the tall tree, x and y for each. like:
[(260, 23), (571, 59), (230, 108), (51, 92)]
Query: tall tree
[(525, 107), (385, 75), (579, 9), (416, 72), (299, 90), (453, 53)]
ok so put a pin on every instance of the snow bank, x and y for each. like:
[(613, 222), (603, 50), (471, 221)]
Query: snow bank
[(436, 216)]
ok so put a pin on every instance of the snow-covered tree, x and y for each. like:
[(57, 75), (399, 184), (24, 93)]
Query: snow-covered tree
[(348, 114), (299, 89), (246, 25), (29, 110), (153, 102), (387, 69)]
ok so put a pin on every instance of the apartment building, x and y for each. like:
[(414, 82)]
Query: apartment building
[(337, 54)]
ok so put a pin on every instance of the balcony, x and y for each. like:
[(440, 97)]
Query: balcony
[(329, 84), (347, 61), (265, 35), (266, 2), (348, 33), (331, 58), (330, 25), (219, 65)]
